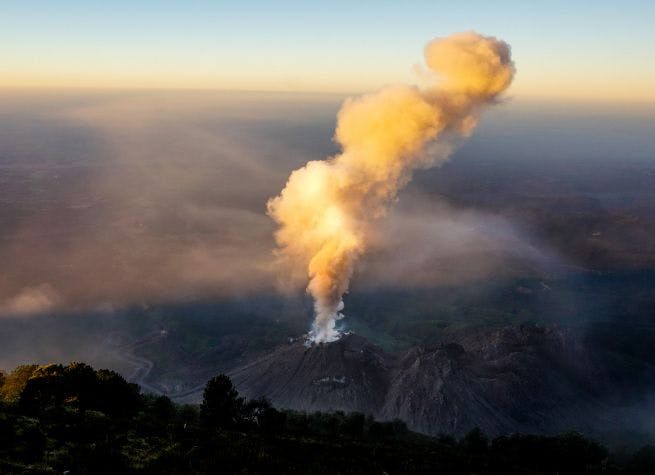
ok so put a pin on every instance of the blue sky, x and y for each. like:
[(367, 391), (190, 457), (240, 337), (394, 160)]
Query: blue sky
[(571, 49)]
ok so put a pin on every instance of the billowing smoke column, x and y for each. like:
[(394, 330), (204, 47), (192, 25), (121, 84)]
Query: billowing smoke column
[(327, 208)]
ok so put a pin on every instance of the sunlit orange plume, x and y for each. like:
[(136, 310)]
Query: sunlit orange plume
[(327, 208)]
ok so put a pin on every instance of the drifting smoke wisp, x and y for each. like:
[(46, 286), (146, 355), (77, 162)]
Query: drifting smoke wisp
[(327, 208)]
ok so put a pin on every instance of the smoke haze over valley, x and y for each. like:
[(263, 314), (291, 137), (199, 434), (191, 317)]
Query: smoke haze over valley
[(119, 199)]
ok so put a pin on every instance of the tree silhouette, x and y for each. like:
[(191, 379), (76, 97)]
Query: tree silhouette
[(115, 396), (221, 404), (15, 381), (81, 386), (44, 389)]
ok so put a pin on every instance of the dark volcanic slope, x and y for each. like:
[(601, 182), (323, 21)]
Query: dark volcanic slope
[(350, 375), (513, 379)]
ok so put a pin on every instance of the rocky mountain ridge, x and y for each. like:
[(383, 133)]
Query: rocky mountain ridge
[(512, 379)]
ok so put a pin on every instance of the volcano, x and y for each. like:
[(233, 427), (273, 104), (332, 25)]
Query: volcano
[(350, 374), (512, 379)]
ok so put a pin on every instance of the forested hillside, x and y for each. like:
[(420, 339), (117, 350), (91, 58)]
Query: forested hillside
[(74, 419)]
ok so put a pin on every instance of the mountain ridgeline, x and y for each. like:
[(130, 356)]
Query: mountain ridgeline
[(512, 379)]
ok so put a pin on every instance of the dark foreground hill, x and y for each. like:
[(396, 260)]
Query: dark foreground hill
[(72, 419), (513, 379)]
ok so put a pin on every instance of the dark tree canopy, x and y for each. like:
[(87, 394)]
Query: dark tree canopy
[(57, 419), (15, 381), (221, 404), (77, 385)]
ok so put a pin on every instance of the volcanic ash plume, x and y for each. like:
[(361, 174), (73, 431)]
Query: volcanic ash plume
[(327, 208)]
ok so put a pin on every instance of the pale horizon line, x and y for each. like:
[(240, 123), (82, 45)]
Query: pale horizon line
[(516, 96)]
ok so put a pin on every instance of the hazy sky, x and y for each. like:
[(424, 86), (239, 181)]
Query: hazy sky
[(582, 49)]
